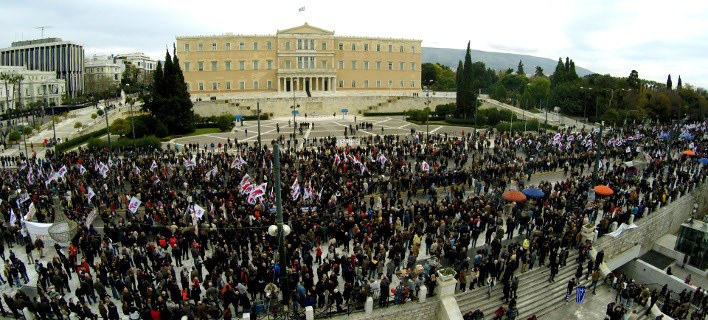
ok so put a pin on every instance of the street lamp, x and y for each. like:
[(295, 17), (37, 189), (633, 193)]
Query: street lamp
[(585, 104), (475, 114), (281, 230), (294, 106), (427, 114)]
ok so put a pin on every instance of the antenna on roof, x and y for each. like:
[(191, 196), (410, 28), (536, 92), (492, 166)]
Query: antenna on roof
[(42, 28)]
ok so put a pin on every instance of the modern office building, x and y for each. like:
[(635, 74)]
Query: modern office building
[(65, 58), (102, 71), (303, 58), (35, 86)]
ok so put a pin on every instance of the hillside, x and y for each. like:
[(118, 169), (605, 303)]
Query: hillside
[(494, 60)]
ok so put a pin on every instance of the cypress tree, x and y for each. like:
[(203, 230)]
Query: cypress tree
[(458, 88), (520, 68), (184, 110), (669, 85), (467, 92), (679, 85)]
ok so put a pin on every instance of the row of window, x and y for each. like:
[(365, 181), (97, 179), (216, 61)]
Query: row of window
[(354, 65), (227, 65), (401, 84), (215, 86), (302, 63), (241, 46), (302, 44)]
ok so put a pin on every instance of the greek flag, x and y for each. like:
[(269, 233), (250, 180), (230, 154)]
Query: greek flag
[(580, 294), (301, 9)]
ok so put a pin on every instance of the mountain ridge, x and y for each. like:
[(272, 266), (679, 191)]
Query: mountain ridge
[(494, 60)]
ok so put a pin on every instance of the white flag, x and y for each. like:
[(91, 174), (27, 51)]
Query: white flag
[(198, 211), (91, 194), (134, 204), (426, 166), (13, 219), (82, 170)]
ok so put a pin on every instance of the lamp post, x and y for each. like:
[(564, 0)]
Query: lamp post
[(108, 131), (475, 113), (597, 155), (54, 131), (258, 110), (585, 104), (427, 114), (132, 119), (294, 113), (280, 230)]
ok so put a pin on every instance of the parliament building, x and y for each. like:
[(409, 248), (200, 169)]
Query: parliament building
[(304, 58)]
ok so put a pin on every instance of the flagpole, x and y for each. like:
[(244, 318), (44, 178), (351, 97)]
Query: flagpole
[(597, 156)]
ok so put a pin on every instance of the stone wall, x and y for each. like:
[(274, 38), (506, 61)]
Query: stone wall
[(322, 106), (409, 311), (665, 220)]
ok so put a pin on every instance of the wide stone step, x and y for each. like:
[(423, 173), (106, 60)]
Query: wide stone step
[(527, 287), (549, 301), (531, 284)]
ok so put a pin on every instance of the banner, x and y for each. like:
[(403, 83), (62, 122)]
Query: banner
[(30, 212), (90, 218), (38, 230)]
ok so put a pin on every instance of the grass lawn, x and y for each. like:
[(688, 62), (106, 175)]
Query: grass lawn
[(196, 132)]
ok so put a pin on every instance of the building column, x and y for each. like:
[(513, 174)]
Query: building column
[(334, 84), (278, 79)]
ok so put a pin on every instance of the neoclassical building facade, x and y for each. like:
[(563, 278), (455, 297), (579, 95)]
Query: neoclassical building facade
[(303, 58)]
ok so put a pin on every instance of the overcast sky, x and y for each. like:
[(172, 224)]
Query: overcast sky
[(656, 38)]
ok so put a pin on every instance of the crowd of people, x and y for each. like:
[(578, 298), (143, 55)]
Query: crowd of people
[(198, 245), (682, 305)]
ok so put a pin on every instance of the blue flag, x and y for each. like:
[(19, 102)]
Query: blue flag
[(580, 296)]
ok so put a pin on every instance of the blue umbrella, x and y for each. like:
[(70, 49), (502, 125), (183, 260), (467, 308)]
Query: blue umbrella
[(533, 193), (703, 160)]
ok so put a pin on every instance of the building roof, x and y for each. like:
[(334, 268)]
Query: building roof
[(305, 29), (39, 43)]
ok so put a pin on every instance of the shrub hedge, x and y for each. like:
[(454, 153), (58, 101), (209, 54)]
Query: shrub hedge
[(382, 114), (150, 141), (64, 146)]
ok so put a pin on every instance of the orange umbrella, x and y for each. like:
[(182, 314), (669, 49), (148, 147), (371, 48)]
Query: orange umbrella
[(513, 195), (603, 190), (689, 152)]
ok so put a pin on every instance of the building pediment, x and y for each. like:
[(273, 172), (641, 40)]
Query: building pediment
[(306, 29)]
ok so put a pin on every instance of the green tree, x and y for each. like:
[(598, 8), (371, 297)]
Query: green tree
[(669, 85), (427, 74), (224, 122), (500, 93), (77, 125), (520, 68), (168, 99), (120, 127), (467, 99), (633, 80), (680, 84), (99, 112), (458, 85), (538, 90), (539, 72)]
